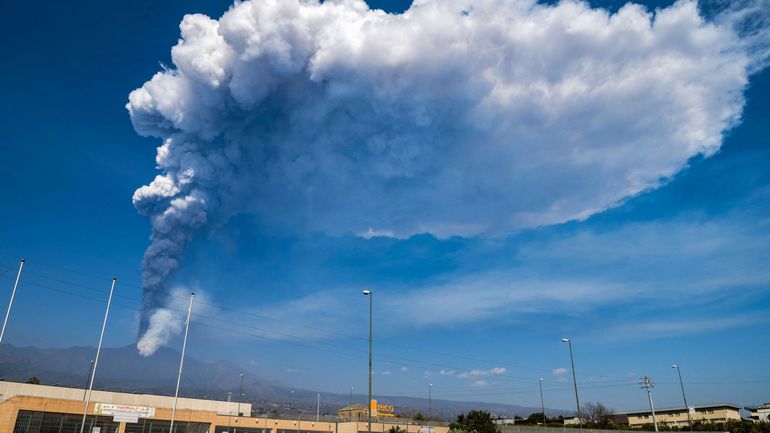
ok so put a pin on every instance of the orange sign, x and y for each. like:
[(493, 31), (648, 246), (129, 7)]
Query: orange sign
[(381, 409)]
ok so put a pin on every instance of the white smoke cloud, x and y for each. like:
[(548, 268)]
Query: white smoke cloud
[(168, 321), (164, 324), (453, 118)]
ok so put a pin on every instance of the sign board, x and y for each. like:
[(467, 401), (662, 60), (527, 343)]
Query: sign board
[(381, 409), (123, 410), (128, 417), (96, 430), (691, 409), (427, 429)]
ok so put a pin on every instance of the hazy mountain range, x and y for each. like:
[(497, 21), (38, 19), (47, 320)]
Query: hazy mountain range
[(123, 369)]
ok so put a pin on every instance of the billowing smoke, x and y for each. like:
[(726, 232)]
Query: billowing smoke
[(168, 319), (453, 118)]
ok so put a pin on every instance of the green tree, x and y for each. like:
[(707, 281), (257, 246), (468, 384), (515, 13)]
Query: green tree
[(396, 429), (535, 418), (34, 380), (476, 421)]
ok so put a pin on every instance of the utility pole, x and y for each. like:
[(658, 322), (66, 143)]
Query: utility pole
[(318, 408), (181, 362), (351, 402), (96, 359), (10, 303), (542, 402), (647, 384)]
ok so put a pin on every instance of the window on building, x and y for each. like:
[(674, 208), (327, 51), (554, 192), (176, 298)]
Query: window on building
[(156, 426), (28, 421), (231, 429)]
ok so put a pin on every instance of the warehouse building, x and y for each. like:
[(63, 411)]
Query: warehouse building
[(677, 417), (28, 408)]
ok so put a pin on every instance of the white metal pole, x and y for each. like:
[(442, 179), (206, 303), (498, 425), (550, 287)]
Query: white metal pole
[(181, 362), (10, 303), (96, 359)]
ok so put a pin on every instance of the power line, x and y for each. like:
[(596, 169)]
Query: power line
[(382, 357), (246, 313)]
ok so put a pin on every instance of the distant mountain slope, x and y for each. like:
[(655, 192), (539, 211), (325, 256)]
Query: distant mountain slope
[(123, 369)]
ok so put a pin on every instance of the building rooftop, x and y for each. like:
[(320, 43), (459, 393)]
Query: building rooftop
[(12, 389), (680, 408), (353, 407)]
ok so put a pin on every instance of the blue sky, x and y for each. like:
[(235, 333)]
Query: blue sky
[(676, 273)]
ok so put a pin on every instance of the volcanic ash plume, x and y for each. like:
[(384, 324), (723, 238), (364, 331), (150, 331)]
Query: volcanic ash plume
[(453, 118)]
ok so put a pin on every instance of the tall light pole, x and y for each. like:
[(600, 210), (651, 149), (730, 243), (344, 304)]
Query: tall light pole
[(181, 362), (369, 402), (96, 359), (542, 402), (240, 396), (647, 384), (88, 379), (351, 402), (430, 401), (10, 303), (574, 380), (681, 384)]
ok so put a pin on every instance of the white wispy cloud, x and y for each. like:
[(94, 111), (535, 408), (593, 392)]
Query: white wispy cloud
[(678, 326), (559, 371), (476, 373), (590, 269)]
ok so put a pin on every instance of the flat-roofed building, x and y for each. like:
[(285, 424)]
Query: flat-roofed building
[(759, 413), (28, 408), (677, 416)]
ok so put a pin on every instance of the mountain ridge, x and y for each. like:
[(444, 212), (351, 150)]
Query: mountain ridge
[(123, 369)]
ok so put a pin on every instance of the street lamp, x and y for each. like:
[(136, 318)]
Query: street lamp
[(240, 396), (542, 402), (574, 380), (351, 401), (430, 401), (681, 384), (369, 293), (291, 399)]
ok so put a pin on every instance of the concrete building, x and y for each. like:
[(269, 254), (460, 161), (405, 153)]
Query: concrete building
[(573, 420), (759, 413), (677, 417), (355, 412), (28, 408)]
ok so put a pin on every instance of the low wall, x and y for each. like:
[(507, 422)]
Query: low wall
[(535, 429)]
